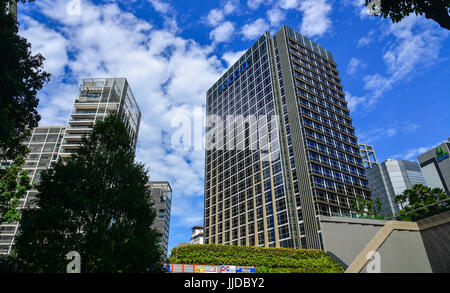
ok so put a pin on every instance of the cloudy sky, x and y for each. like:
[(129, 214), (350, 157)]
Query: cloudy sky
[(395, 76)]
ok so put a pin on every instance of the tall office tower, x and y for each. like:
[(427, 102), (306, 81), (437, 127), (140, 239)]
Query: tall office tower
[(368, 155), (44, 145), (435, 165), (96, 97), (162, 200), (391, 178), (296, 154)]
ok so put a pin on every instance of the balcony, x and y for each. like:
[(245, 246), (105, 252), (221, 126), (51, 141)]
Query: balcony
[(77, 129), (81, 121)]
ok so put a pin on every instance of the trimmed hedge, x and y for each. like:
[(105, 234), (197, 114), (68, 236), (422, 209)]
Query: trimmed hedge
[(264, 259)]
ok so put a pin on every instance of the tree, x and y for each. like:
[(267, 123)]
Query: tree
[(421, 201), (21, 77), (396, 10), (96, 203), (14, 184), (364, 206)]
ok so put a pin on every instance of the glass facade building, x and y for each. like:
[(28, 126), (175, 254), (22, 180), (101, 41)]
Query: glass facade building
[(391, 178), (95, 99), (43, 144), (295, 154)]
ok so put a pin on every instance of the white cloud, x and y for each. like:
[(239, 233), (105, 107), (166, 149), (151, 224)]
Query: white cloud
[(255, 29), (288, 4), (254, 4), (415, 47), (231, 57), (230, 6), (160, 6), (355, 102), (387, 131), (315, 20), (223, 32), (366, 40), (214, 17), (48, 42), (354, 65), (412, 154), (275, 16)]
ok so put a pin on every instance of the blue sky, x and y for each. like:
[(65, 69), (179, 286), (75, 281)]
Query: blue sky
[(395, 75)]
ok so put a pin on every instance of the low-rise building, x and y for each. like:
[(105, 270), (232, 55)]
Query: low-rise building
[(197, 235)]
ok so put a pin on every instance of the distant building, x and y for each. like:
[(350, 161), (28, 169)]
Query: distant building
[(435, 165), (95, 99), (391, 178), (162, 200), (368, 155), (197, 235)]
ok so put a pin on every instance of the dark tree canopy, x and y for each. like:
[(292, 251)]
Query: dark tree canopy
[(396, 10), (97, 203), (21, 77)]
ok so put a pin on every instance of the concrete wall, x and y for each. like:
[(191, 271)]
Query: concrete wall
[(405, 247), (345, 238), (402, 252)]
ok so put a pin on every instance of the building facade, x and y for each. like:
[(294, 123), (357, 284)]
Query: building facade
[(161, 193), (295, 153), (435, 165), (95, 99), (391, 178), (43, 144), (198, 235)]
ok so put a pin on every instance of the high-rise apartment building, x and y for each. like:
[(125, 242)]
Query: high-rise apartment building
[(435, 165), (291, 155), (368, 155), (95, 99), (391, 178), (162, 200), (43, 144)]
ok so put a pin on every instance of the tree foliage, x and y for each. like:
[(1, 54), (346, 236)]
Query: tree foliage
[(21, 77), (264, 259), (396, 10), (14, 184), (96, 203), (366, 207), (421, 201)]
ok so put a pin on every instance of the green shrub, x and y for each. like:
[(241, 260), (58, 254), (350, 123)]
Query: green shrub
[(264, 259)]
